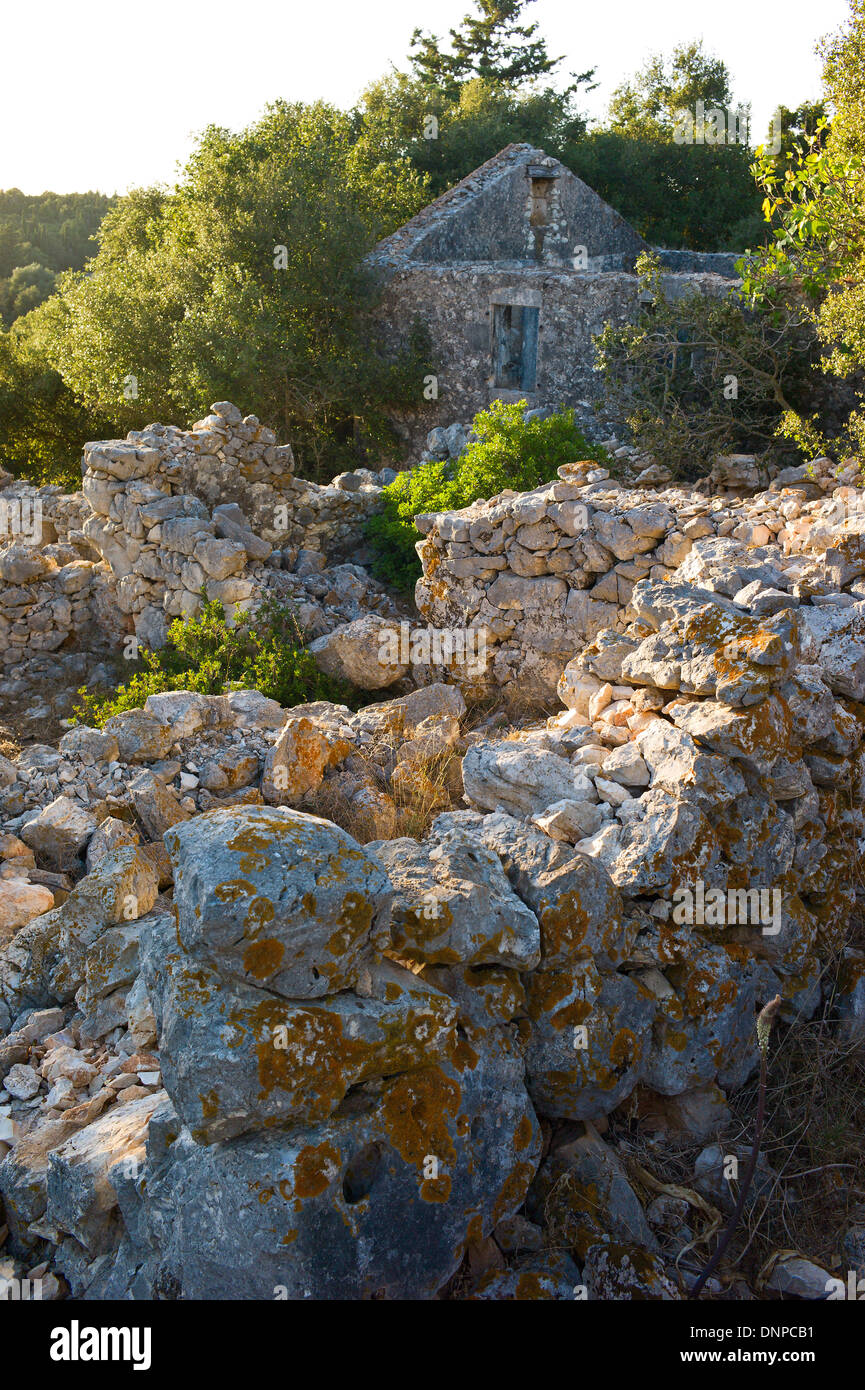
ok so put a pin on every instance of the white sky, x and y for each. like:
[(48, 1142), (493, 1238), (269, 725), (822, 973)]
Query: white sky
[(107, 94)]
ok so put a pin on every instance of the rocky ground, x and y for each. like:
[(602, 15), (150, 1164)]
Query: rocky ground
[(454, 996)]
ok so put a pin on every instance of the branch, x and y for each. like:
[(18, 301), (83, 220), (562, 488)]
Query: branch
[(765, 1019)]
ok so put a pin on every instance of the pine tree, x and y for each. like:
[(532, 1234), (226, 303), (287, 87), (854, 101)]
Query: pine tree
[(493, 45)]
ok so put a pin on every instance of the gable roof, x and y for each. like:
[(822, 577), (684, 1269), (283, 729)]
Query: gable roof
[(401, 243), (446, 221)]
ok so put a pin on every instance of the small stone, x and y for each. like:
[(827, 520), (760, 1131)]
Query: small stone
[(22, 1081), (60, 833), (800, 1278)]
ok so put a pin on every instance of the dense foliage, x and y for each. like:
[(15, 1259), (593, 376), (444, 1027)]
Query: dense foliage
[(41, 235), (509, 452), (696, 197), (701, 375), (42, 423), (247, 283), (446, 134), (816, 260), (265, 652)]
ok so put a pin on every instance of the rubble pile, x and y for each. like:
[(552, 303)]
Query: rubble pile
[(249, 1054)]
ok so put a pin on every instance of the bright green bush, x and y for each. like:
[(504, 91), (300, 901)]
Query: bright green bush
[(265, 652), (510, 452)]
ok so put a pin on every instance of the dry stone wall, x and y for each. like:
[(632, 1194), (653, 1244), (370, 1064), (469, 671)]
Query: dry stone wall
[(541, 573), (217, 507), (249, 1054), (161, 515)]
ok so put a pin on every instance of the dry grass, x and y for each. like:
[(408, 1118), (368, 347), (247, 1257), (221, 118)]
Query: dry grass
[(812, 1142), (398, 805), (389, 807), (522, 707), (815, 1121)]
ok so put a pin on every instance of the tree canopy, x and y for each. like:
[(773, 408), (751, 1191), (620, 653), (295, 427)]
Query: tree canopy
[(245, 282), (645, 107), (41, 235), (491, 44)]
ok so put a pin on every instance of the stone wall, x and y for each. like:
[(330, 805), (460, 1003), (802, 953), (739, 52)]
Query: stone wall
[(542, 573), (455, 300), (163, 513), (44, 599)]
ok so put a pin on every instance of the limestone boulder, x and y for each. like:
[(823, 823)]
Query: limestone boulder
[(90, 745), (569, 820), (24, 1171), (364, 652), (589, 1037), (141, 737), (838, 636), (578, 907), (704, 1028), (238, 1058), (20, 902), (677, 764), (454, 904), (156, 805), (279, 899), (185, 712), (297, 762), (80, 1196), (22, 564), (59, 834), (249, 709), (712, 652), (521, 780), (380, 1200), (109, 835), (753, 737)]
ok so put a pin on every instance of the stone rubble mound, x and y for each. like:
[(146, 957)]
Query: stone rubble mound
[(163, 515), (248, 1056)]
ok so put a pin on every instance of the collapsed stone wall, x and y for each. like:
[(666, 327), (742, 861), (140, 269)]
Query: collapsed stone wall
[(542, 573), (162, 514), (52, 585), (250, 1053), (216, 506), (42, 600)]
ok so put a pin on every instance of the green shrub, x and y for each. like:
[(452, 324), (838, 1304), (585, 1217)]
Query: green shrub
[(263, 652), (510, 452), (700, 375)]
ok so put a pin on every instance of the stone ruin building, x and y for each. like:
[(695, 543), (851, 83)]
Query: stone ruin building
[(513, 271)]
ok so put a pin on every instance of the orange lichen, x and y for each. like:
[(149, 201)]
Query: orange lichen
[(262, 959), (314, 1169), (414, 1112)]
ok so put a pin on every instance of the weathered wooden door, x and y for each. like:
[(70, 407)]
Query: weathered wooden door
[(515, 346)]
